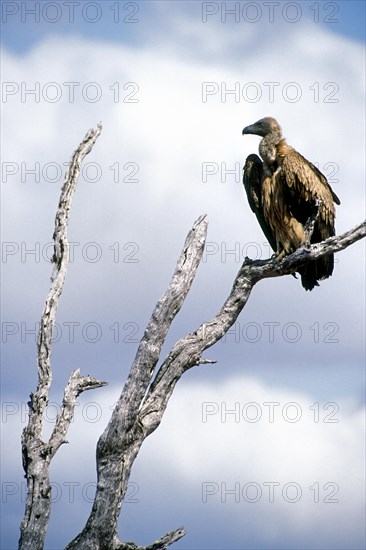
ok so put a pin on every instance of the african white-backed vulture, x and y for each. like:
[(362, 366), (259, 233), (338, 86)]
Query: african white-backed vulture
[(286, 192)]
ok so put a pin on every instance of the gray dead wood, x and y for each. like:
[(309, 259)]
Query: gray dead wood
[(37, 453), (145, 395), (120, 443), (139, 412)]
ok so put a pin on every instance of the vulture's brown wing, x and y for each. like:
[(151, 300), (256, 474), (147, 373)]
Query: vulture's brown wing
[(252, 180), (323, 179), (304, 185)]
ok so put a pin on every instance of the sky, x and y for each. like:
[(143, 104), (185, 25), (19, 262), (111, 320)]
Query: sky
[(265, 448)]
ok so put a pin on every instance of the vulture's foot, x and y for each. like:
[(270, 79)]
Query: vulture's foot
[(279, 256)]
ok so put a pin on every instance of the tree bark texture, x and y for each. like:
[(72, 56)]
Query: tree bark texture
[(37, 453), (144, 398)]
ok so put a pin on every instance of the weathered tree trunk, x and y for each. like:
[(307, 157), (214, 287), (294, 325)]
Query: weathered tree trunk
[(145, 395), (125, 433), (138, 413), (37, 454)]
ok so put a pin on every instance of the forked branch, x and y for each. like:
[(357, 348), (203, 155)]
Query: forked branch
[(147, 391), (37, 454), (139, 412)]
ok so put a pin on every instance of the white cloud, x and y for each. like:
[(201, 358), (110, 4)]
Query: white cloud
[(169, 133), (306, 474)]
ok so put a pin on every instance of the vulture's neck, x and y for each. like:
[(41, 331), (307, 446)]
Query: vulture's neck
[(267, 148)]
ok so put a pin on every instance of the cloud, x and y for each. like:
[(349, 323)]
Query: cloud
[(171, 136), (239, 447)]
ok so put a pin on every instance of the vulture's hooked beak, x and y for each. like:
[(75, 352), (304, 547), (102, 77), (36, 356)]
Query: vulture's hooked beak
[(249, 129)]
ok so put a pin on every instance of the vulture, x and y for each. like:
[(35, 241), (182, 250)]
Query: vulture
[(291, 199)]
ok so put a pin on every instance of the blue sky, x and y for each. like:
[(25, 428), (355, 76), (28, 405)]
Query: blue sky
[(174, 90), (24, 24)]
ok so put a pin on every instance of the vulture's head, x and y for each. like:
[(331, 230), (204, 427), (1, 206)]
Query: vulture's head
[(263, 127)]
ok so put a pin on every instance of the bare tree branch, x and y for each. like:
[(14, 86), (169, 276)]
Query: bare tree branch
[(37, 454), (146, 393), (186, 353), (119, 444), (140, 408), (160, 544), (265, 269), (76, 385)]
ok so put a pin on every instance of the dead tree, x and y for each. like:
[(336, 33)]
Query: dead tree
[(144, 398)]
